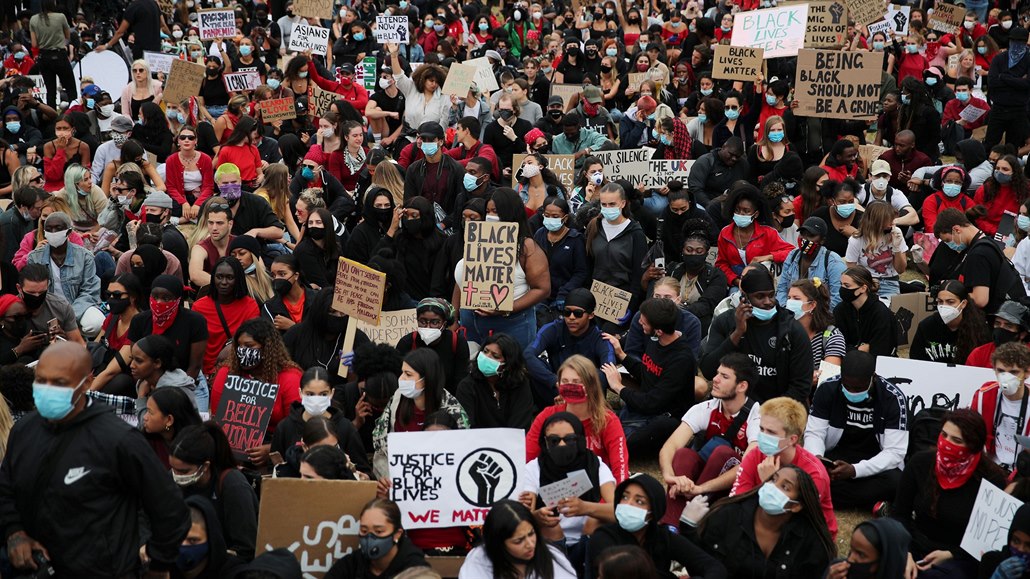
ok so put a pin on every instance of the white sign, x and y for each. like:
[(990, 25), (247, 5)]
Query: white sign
[(241, 81), (573, 485), (899, 17), (304, 37), (158, 61), (391, 29), (881, 26), (988, 526), (450, 478), (778, 31), (39, 88), (933, 384), (485, 79), (639, 167), (217, 23), (971, 114)]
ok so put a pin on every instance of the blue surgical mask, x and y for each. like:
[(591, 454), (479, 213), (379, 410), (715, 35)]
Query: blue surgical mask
[(981, 49), (955, 246), (359, 37), (775, 136), (763, 315), (905, 99), (611, 51), (732, 114), (13, 126), (553, 223), (302, 74), (273, 83), (630, 518), (430, 149), (770, 99), (772, 499), (403, 5), (1002, 177), (487, 365), (702, 118), (931, 81), (877, 45), (90, 103), (191, 556), (951, 189), (769, 444), (439, 27), (611, 213), (743, 220), (706, 91), (962, 96), (796, 307), (307, 173), (855, 397), (665, 140), (911, 48), (845, 209), (54, 402), (1023, 222), (471, 182), (483, 26), (251, 269), (20, 55), (246, 49)]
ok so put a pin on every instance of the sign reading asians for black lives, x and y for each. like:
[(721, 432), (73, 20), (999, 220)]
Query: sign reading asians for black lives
[(244, 411), (838, 85), (448, 478)]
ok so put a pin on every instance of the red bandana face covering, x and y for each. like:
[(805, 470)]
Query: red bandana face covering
[(163, 314), (573, 393), (955, 464)]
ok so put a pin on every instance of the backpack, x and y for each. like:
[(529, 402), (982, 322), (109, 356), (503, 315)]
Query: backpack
[(925, 430)]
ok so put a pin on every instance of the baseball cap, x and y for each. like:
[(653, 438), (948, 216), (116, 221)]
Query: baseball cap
[(880, 167), (1013, 312), (121, 124), (430, 129), (347, 67), (815, 226), (593, 94), (91, 90), (555, 100)]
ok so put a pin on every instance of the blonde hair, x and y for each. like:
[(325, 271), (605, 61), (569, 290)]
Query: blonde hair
[(788, 411), (388, 177), (259, 285), (57, 203), (276, 185), (312, 197), (870, 229), (200, 231), (597, 405), (150, 79), (668, 281)]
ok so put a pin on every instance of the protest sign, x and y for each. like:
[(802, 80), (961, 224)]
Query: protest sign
[(612, 302), (946, 18), (158, 61), (634, 79), (909, 310), (838, 85), (244, 411), (183, 81), (736, 63), (167, 7), (490, 252), (988, 526), (368, 65), (881, 26), (563, 167), (316, 520), (485, 79), (933, 384), (899, 16), (39, 87), (216, 23), (449, 478), (313, 38), (277, 109), (638, 167), (865, 11), (566, 92), (459, 78), (321, 100), (391, 29), (322, 9), (573, 485), (827, 25), (778, 31), (871, 153), (392, 327), (359, 291), (241, 81), (971, 113)]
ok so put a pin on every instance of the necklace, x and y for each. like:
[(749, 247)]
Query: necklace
[(354, 163), (741, 242), (332, 353)]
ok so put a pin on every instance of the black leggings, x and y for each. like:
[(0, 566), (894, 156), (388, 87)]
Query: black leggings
[(53, 65)]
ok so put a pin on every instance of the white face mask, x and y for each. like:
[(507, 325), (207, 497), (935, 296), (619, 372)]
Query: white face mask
[(880, 184), (493, 218), (316, 405), (106, 110), (326, 133), (949, 313), (530, 171), (1008, 382), (56, 238), (429, 335), (409, 388), (384, 83)]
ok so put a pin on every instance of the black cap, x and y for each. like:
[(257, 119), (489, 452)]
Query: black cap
[(815, 226), (347, 67), (555, 100), (1018, 34), (581, 298), (857, 369), (430, 129)]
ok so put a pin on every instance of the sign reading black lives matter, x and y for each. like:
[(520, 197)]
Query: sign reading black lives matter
[(736, 62), (244, 411), (490, 252), (448, 478), (838, 85)]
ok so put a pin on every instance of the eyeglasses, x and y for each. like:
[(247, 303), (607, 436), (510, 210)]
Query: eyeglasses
[(36, 179), (187, 137), (553, 440), (427, 323), (577, 314), (118, 189)]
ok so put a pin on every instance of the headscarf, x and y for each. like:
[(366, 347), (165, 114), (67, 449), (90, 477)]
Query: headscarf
[(585, 460), (437, 306), (163, 318), (6, 301), (681, 141), (891, 541), (154, 264)]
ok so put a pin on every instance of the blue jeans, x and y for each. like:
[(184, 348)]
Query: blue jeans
[(979, 7), (521, 326), (656, 203), (203, 394), (104, 263), (888, 288)]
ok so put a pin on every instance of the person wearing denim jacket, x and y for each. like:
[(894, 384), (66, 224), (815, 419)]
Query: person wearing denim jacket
[(458, 110), (79, 281), (825, 265)]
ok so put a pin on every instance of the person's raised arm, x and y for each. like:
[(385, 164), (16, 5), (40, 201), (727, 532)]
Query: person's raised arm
[(122, 29)]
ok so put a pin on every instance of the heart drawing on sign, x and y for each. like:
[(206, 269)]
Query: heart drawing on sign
[(499, 293)]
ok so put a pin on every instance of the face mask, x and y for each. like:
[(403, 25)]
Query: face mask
[(1002, 177), (1009, 383), (905, 99), (20, 55), (483, 26), (911, 48), (855, 397), (807, 246), (492, 218), (962, 96), (430, 149), (775, 136), (54, 402), (732, 114), (769, 444), (273, 83), (307, 173), (563, 455), (438, 27), (772, 499), (969, 25), (597, 178), (430, 335), (949, 313), (572, 51), (770, 99), (90, 103), (185, 480), (1000, 335), (487, 365), (107, 110), (743, 221), (316, 233), (384, 83), (248, 357), (13, 126), (375, 547), (553, 223), (763, 315), (246, 49), (281, 286), (706, 92), (931, 81), (845, 209), (951, 189), (665, 140), (797, 307), (33, 301), (726, 28), (847, 295), (232, 192), (302, 74), (139, 271), (326, 133), (191, 556), (1023, 222), (630, 518), (538, 15), (611, 51), (955, 246), (359, 37), (504, 114), (877, 45), (316, 405), (517, 15), (196, 54), (118, 306), (409, 388), (573, 393), (56, 238), (249, 270), (611, 213), (702, 119)]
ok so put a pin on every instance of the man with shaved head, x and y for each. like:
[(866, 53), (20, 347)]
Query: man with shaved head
[(904, 158), (75, 477)]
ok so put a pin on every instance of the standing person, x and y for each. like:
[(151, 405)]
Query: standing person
[(437, 177), (141, 19), (1007, 77), (141, 89), (616, 244), (50, 33), (82, 437)]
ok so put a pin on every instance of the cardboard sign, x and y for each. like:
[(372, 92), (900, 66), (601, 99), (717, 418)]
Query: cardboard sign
[(736, 63), (159, 61), (946, 18), (459, 79), (634, 79), (322, 9), (391, 29), (563, 167), (933, 384), (490, 254), (573, 485), (216, 23), (871, 152), (241, 81), (184, 81), (612, 302), (778, 31), (392, 327), (899, 16), (988, 526), (566, 92), (316, 520), (485, 79), (277, 109), (167, 7), (359, 291), (838, 85), (910, 310), (321, 100), (865, 11), (451, 478), (313, 38), (638, 167), (827, 24), (244, 411)]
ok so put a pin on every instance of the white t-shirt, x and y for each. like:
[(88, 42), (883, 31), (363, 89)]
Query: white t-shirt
[(1005, 448), (571, 526), (898, 199), (613, 231), (700, 416), (478, 565), (879, 262)]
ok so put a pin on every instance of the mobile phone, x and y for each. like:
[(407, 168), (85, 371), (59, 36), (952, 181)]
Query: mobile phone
[(659, 263), (826, 462), (53, 326), (276, 458)]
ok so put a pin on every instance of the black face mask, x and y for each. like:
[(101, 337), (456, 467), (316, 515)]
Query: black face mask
[(504, 114), (316, 233), (693, 262), (118, 306), (413, 225), (151, 218), (554, 114), (563, 455), (847, 295), (383, 215), (860, 570), (33, 302), (787, 221), (572, 51), (139, 271), (606, 68), (336, 325), (212, 72), (281, 287), (1001, 335)]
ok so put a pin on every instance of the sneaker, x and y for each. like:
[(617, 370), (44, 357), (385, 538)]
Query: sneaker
[(881, 510)]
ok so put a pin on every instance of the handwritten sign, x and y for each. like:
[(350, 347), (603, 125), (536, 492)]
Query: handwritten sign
[(566, 92), (277, 109), (827, 24), (634, 79), (639, 168), (449, 478), (296, 516), (933, 384), (881, 26), (392, 327), (321, 9), (778, 31), (241, 81), (391, 29), (167, 7), (321, 100), (946, 18), (563, 167), (899, 16), (971, 113), (988, 526), (184, 81), (865, 11), (216, 23), (159, 61), (612, 302), (491, 250), (460, 77), (313, 38), (838, 85), (359, 291), (39, 87), (736, 63), (244, 411), (485, 79), (871, 152), (573, 485)]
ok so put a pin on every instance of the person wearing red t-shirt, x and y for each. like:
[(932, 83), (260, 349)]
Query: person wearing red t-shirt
[(728, 425), (1002, 192), (781, 424), (1011, 324), (239, 150), (225, 309)]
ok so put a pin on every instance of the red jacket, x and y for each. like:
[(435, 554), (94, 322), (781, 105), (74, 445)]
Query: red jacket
[(355, 94), (985, 403), (765, 241), (409, 154), (174, 180), (11, 65), (289, 392), (841, 172), (480, 149), (1004, 200), (934, 204), (955, 106)]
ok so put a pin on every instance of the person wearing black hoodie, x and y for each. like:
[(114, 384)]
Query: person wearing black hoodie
[(879, 550), (275, 564), (641, 492), (203, 553), (378, 213), (383, 551), (1011, 561), (416, 241), (501, 398)]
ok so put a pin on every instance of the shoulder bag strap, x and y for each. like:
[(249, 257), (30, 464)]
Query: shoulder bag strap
[(225, 325), (738, 422)]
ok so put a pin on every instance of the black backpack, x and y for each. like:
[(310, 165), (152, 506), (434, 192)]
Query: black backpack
[(925, 430)]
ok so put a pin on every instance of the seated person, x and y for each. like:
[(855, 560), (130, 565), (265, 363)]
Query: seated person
[(880, 544), (44, 306), (1003, 404), (496, 393), (435, 317), (1011, 323), (384, 549), (858, 424), (215, 246), (251, 214), (78, 283), (810, 260)]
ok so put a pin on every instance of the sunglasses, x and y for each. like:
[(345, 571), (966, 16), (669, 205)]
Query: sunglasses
[(577, 314), (553, 440), (187, 137), (139, 70), (117, 295), (36, 179), (220, 206)]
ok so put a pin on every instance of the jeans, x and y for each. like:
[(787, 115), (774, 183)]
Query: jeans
[(216, 111), (888, 288), (645, 434), (979, 7), (202, 393), (521, 326), (105, 265), (656, 203)]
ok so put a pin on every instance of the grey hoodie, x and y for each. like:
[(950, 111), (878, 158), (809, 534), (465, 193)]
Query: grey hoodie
[(174, 379)]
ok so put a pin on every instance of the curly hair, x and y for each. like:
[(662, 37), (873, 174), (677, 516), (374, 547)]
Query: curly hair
[(274, 357), (372, 358), (427, 71)]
